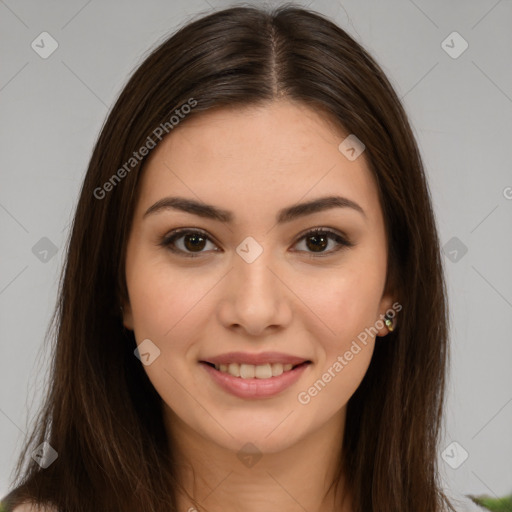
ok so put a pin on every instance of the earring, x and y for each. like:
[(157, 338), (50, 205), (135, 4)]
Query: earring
[(389, 323)]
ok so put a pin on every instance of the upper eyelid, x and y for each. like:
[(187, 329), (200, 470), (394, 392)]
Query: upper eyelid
[(179, 232)]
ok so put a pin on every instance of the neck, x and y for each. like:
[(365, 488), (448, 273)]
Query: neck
[(298, 477)]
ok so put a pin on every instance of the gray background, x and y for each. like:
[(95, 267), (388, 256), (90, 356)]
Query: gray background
[(53, 109)]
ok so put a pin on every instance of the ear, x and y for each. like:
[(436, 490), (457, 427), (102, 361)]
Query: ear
[(386, 306)]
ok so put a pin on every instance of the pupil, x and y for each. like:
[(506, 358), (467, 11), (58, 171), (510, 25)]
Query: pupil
[(316, 239), (197, 242), (189, 244)]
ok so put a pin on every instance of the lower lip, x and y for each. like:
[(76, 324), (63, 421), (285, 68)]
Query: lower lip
[(255, 388)]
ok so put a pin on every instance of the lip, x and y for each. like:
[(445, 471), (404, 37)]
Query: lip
[(255, 388), (255, 359)]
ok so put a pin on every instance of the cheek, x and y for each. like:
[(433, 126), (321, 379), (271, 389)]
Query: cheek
[(166, 308), (161, 297), (346, 300), (347, 305)]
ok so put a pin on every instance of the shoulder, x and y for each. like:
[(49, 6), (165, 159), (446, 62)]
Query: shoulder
[(32, 507)]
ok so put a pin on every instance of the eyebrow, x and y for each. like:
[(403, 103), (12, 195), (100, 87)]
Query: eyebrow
[(285, 215)]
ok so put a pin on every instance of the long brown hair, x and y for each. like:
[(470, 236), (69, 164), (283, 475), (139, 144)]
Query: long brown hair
[(102, 415)]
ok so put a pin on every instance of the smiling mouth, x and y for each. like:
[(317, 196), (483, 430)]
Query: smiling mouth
[(250, 371)]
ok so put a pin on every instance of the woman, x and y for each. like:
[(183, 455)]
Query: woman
[(253, 313)]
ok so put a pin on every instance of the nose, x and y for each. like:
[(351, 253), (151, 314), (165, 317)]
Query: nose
[(256, 299)]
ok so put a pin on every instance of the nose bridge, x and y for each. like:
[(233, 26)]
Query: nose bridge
[(255, 298), (252, 269)]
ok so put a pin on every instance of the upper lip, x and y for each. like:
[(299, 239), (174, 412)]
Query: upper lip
[(255, 359)]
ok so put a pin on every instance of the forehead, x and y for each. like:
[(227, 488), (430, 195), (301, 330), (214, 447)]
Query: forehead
[(281, 152)]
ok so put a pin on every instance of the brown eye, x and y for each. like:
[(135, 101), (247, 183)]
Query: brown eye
[(317, 240), (194, 241), (186, 242), (317, 243)]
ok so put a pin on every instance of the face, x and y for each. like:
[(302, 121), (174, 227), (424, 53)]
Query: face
[(254, 278)]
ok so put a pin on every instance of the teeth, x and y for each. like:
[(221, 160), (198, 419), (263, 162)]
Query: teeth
[(250, 371), (233, 369), (278, 369), (262, 372), (247, 371)]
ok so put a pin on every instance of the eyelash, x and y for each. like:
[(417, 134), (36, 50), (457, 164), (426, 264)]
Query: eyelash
[(169, 239)]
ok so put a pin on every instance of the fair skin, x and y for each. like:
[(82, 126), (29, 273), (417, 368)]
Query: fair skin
[(292, 299)]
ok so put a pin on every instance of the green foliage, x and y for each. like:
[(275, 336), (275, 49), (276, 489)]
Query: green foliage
[(494, 504)]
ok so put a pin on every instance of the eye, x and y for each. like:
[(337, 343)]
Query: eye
[(191, 242), (317, 240)]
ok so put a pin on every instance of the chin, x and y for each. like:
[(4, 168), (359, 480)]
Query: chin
[(269, 436)]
